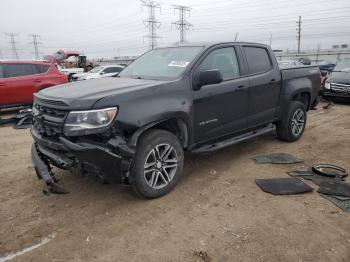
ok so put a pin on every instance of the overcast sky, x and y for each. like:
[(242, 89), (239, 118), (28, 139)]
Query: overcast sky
[(106, 28)]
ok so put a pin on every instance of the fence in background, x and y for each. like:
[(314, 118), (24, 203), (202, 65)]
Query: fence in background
[(315, 57)]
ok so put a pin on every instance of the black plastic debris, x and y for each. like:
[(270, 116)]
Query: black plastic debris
[(337, 188), (342, 202), (277, 158), (330, 171), (22, 120), (283, 186)]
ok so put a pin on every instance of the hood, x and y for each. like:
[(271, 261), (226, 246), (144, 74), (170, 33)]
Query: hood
[(339, 77), (88, 75), (84, 94)]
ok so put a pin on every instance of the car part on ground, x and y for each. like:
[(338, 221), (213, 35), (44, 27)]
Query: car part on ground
[(330, 170), (283, 186), (277, 158), (337, 188), (342, 202), (22, 120)]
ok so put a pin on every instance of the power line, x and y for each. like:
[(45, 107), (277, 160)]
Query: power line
[(182, 24), (36, 44), (151, 23), (13, 45), (299, 33)]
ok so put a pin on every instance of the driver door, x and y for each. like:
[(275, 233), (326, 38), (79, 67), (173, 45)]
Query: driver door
[(220, 109)]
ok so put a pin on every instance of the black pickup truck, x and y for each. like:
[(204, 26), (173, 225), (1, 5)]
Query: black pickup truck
[(134, 128)]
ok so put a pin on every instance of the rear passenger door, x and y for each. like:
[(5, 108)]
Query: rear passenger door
[(264, 84), (19, 83)]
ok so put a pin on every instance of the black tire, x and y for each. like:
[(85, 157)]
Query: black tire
[(286, 127), (70, 77), (149, 144)]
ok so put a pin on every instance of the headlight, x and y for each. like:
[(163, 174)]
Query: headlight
[(89, 122), (327, 85)]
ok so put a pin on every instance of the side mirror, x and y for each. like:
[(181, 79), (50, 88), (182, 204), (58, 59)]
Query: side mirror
[(209, 77), (102, 73)]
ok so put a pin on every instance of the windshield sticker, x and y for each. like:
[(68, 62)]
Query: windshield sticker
[(178, 63)]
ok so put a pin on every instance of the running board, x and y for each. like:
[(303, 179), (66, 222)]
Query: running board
[(233, 140)]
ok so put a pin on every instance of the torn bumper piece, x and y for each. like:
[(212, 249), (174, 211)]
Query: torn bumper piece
[(86, 156), (43, 171)]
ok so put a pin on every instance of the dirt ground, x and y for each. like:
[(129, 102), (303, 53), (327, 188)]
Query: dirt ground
[(216, 212)]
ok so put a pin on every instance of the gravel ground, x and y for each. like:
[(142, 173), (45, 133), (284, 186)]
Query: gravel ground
[(216, 213)]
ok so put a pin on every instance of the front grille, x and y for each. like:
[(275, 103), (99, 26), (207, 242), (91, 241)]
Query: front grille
[(340, 87), (48, 121)]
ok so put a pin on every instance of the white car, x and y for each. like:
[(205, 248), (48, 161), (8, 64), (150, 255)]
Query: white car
[(98, 72)]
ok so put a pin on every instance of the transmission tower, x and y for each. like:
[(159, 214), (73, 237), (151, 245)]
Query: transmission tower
[(299, 33), (152, 24), (13, 45), (182, 24), (1, 56), (36, 44)]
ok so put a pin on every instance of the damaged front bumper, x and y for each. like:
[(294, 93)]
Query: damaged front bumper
[(110, 162)]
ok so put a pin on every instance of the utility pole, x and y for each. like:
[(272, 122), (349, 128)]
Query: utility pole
[(236, 35), (270, 39), (299, 33), (36, 44), (151, 23), (13, 45), (182, 24)]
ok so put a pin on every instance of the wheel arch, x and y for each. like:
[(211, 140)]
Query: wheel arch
[(175, 125)]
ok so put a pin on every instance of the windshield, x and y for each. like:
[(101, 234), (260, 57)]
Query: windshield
[(164, 63), (343, 66), (96, 69)]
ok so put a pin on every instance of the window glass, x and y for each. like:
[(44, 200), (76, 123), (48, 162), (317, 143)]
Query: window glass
[(42, 68), (163, 63), (15, 70), (112, 70), (258, 59), (223, 59), (1, 71)]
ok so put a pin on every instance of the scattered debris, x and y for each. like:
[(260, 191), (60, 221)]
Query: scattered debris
[(22, 120), (342, 202), (212, 172), (203, 255), (283, 186), (277, 158)]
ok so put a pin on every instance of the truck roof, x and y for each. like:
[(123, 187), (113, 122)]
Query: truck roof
[(213, 43)]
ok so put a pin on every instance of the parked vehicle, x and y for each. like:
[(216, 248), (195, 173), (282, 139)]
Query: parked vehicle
[(134, 128), (326, 66), (286, 63), (19, 80), (99, 72), (71, 62), (337, 84)]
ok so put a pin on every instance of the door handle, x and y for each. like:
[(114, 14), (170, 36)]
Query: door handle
[(240, 88), (37, 80)]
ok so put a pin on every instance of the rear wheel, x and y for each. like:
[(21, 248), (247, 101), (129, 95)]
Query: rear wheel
[(157, 165), (292, 126)]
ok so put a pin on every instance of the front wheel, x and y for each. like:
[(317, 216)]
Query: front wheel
[(157, 165), (292, 125)]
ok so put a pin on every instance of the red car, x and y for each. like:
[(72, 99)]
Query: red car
[(20, 79)]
